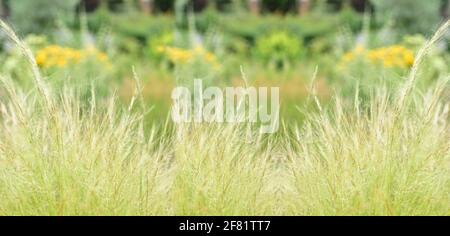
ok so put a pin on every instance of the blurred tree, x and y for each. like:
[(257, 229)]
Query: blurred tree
[(31, 16), (281, 6), (303, 6), (446, 9), (199, 5), (146, 6), (89, 5), (254, 6), (360, 5), (223, 5), (2, 10), (408, 16), (169, 5), (164, 5)]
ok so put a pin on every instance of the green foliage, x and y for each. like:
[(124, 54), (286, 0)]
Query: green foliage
[(156, 43), (279, 5), (279, 48), (349, 17), (31, 16), (409, 16), (239, 31), (164, 5), (308, 27), (134, 25)]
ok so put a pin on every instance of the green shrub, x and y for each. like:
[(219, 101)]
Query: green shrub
[(308, 27), (350, 18), (156, 42), (139, 26), (31, 16), (279, 48), (130, 24)]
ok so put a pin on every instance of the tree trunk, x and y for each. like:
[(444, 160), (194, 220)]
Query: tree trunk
[(146, 6), (303, 6), (2, 10), (254, 6), (446, 10)]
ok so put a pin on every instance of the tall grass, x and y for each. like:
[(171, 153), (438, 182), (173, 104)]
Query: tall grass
[(58, 157)]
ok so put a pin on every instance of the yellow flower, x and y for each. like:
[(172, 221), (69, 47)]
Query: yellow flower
[(348, 56), (41, 58), (359, 48), (394, 55), (183, 56), (408, 57), (61, 62), (160, 49), (178, 55), (54, 55), (199, 49)]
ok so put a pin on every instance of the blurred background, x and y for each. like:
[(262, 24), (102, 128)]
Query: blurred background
[(348, 44)]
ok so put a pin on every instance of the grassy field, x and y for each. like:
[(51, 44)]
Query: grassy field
[(384, 153)]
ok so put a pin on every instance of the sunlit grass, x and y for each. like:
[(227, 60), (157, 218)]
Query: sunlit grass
[(388, 156)]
